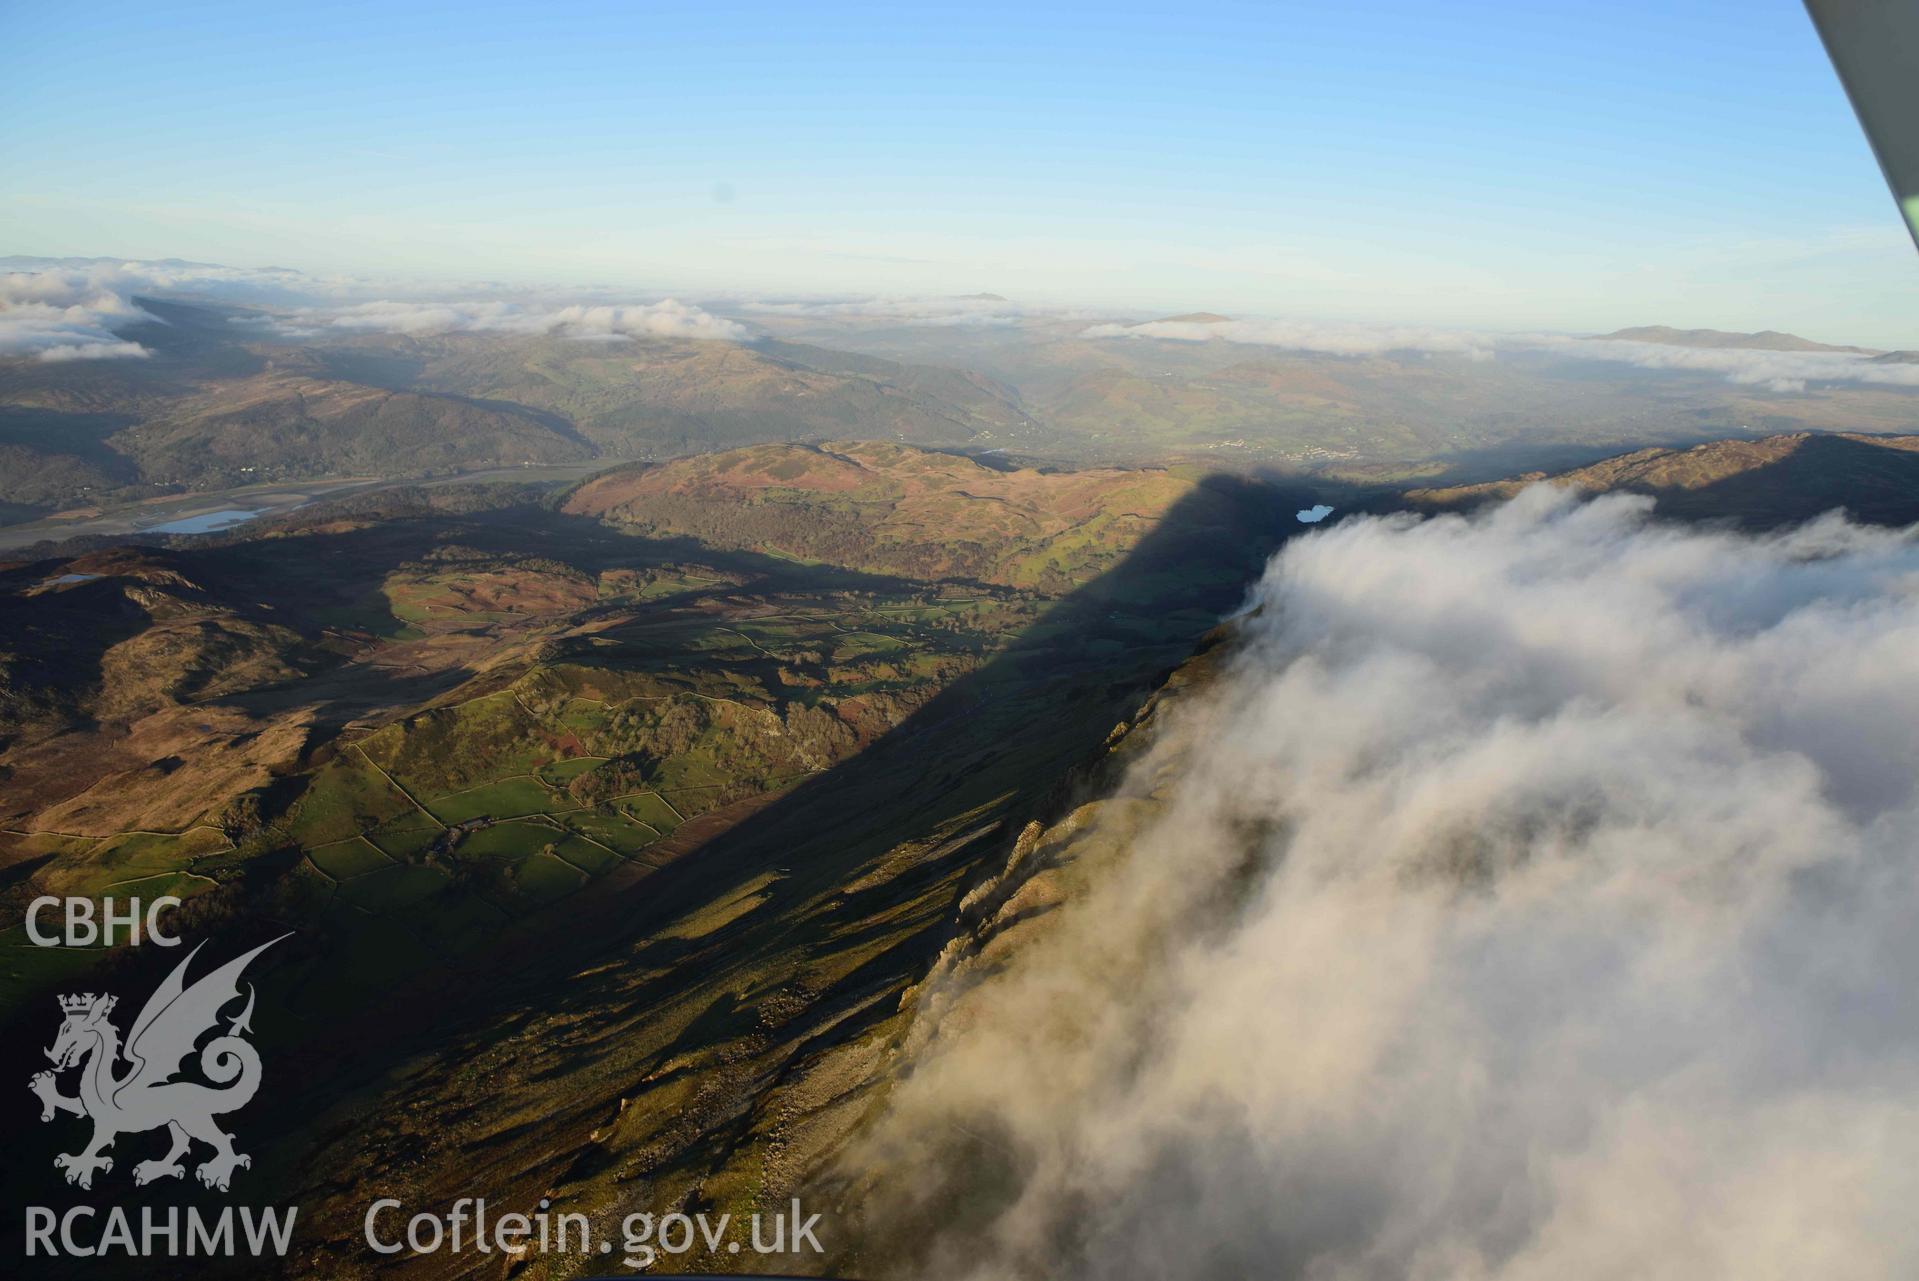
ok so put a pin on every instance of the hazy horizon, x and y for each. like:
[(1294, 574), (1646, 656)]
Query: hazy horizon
[(48, 303), (1571, 171)]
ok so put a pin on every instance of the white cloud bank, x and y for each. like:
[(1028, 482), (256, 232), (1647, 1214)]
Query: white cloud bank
[(1531, 900), (75, 310), (667, 319), (1781, 371), (1778, 371), (1337, 340), (964, 312), (67, 315)]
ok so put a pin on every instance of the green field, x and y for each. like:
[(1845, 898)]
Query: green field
[(508, 798), (344, 798), (619, 832), (594, 860), (506, 842), (392, 889), (559, 773), (347, 859), (407, 837), (652, 810), (544, 878), (142, 864)]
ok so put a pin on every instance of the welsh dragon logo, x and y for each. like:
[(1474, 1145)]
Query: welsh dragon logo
[(144, 1096)]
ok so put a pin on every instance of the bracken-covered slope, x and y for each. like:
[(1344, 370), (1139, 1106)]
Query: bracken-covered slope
[(1758, 483), (892, 509)]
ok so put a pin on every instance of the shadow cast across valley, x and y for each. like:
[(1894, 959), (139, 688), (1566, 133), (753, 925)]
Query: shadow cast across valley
[(631, 1035), (682, 996), (339, 584)]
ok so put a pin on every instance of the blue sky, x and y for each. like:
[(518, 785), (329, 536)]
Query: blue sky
[(1566, 165)]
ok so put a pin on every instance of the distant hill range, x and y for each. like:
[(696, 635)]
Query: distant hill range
[(233, 395), (1764, 340), (224, 400), (1775, 480)]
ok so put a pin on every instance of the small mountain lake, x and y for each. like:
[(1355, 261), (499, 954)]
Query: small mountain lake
[(205, 522)]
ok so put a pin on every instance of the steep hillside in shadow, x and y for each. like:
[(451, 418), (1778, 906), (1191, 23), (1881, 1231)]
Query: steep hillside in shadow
[(706, 1037), (756, 938), (1773, 481)]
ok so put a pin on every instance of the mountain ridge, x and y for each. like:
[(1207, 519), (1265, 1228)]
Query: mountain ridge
[(1770, 481), (1762, 340)]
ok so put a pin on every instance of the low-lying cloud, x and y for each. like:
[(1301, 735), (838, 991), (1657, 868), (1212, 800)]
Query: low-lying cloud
[(1531, 898), (1336, 340), (67, 315), (666, 319), (963, 312), (1777, 371), (1781, 371), (76, 309)]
